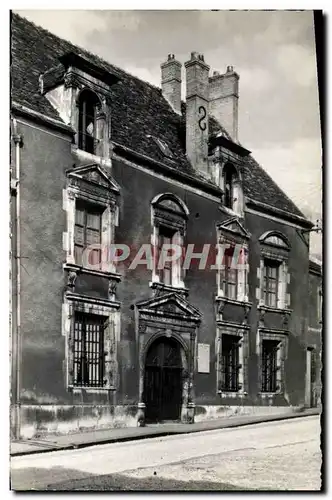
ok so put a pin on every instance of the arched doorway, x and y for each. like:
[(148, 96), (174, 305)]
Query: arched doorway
[(163, 380)]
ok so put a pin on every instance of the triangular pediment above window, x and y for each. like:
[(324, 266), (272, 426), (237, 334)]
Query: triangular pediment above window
[(169, 304), (94, 174), (233, 226)]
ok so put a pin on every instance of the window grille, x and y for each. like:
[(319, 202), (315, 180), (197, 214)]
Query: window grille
[(230, 363), (89, 350), (269, 365), (271, 279)]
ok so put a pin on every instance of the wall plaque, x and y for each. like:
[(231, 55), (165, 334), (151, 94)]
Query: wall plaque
[(203, 358)]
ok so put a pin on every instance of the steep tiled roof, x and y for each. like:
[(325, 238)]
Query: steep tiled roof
[(138, 108)]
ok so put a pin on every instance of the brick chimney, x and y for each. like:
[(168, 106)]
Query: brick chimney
[(224, 97), (171, 82), (197, 104)]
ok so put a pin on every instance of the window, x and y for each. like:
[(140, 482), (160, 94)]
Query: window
[(88, 356), (230, 280), (274, 278), (87, 123), (269, 365), (229, 179), (230, 363), (165, 273), (87, 233), (169, 218), (233, 270), (271, 280)]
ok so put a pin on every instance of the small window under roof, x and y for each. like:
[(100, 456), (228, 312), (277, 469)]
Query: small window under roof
[(163, 146)]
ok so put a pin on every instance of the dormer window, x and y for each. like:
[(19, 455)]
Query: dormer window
[(163, 146), (89, 106), (229, 179)]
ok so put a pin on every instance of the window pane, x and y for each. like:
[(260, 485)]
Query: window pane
[(167, 276), (92, 236), (78, 251), (231, 291), (79, 217), (79, 235), (272, 300), (272, 285), (94, 257), (93, 221)]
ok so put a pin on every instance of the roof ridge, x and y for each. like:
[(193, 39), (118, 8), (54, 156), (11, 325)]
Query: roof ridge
[(80, 48)]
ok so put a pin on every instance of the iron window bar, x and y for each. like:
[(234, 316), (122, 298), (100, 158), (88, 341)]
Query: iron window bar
[(89, 355), (230, 364), (269, 366)]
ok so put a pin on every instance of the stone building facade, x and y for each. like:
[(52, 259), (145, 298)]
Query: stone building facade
[(102, 160)]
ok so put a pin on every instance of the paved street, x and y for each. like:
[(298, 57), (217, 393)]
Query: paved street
[(283, 455)]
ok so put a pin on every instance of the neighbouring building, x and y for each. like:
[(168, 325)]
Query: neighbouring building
[(314, 342), (102, 160)]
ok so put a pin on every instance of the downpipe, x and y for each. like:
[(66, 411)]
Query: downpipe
[(16, 334)]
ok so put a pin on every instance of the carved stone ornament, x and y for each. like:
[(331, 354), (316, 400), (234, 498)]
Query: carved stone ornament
[(112, 288), (221, 307), (72, 80), (246, 313), (285, 320), (71, 279), (141, 328), (261, 317)]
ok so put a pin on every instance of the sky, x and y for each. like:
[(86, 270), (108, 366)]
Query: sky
[(272, 51)]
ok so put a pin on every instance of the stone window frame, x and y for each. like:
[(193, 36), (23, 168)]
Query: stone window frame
[(278, 254), (225, 238), (175, 220), (282, 337), (90, 305), (238, 198), (241, 331), (65, 99), (102, 200), (87, 95)]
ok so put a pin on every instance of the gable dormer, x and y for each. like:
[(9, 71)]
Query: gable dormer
[(80, 92)]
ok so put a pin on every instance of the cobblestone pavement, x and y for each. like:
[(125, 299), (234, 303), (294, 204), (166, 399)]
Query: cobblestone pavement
[(282, 455)]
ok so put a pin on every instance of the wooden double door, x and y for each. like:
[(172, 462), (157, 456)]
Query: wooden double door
[(163, 381)]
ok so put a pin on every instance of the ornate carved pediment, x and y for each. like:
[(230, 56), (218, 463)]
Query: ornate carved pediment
[(170, 304), (93, 174), (233, 226)]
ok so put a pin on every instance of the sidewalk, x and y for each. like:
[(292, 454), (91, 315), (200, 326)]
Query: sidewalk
[(103, 436)]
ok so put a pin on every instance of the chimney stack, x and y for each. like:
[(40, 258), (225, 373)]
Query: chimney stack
[(223, 97), (171, 82), (197, 112)]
